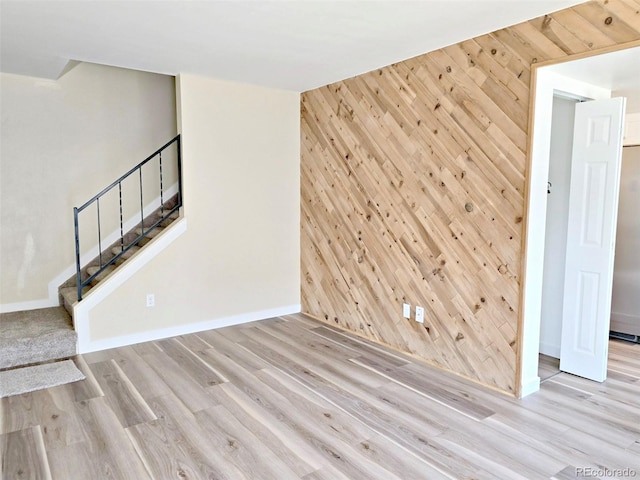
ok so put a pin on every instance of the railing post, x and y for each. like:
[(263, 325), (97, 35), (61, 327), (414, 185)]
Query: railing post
[(99, 233), (178, 140), (161, 187), (141, 203), (121, 220), (78, 273)]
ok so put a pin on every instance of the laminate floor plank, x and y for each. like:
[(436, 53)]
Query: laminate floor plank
[(229, 349), (148, 382), (332, 446), (362, 346), (175, 446), (107, 453), (121, 395), (415, 435), (326, 473), (271, 348), (563, 405), (180, 383), (505, 457), (87, 388), (308, 341), (242, 448), (434, 391), (315, 407), (203, 374), (379, 450), (318, 422), (52, 409), (23, 455), (554, 453), (547, 367), (284, 443), (607, 454), (291, 397)]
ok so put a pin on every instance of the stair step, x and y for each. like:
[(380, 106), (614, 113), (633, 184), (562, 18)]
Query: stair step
[(35, 336), (125, 256), (69, 296), (149, 233), (174, 216), (170, 219), (107, 271), (37, 377)]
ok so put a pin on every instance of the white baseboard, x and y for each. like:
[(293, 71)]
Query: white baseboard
[(30, 305), (119, 276), (529, 386), (550, 350), (147, 336)]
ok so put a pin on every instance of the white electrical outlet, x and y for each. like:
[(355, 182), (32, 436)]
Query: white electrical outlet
[(406, 310), (420, 314), (151, 300)]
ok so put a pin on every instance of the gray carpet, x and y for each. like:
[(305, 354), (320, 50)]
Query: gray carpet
[(35, 336), (38, 377)]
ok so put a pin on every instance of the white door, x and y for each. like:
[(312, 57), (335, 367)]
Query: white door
[(591, 235)]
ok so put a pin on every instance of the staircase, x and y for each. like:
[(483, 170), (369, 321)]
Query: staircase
[(136, 239), (35, 344), (36, 338)]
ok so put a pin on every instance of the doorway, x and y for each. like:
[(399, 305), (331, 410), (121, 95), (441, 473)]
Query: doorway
[(551, 80)]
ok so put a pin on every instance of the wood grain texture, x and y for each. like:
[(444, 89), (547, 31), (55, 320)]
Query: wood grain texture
[(413, 191), (301, 399), (23, 455)]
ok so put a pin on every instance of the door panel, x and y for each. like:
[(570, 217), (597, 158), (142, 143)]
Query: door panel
[(593, 208)]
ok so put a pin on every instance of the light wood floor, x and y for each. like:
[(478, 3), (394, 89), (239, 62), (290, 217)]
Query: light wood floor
[(547, 367), (289, 398)]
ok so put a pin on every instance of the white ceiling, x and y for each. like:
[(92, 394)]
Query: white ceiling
[(294, 45)]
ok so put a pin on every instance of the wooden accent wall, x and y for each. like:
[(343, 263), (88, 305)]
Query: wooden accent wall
[(413, 190)]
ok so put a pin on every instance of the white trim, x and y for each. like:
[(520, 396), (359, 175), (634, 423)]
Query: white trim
[(550, 350), (547, 84), (147, 336), (30, 305), (93, 252), (530, 386), (120, 275)]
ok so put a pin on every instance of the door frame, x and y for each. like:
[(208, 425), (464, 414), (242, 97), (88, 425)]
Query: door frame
[(544, 83)]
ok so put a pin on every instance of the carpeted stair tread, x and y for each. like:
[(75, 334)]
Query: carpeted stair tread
[(126, 255), (102, 275), (38, 377), (170, 219), (149, 233), (174, 216), (69, 296), (34, 336)]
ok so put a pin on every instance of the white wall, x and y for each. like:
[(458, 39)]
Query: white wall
[(632, 129), (60, 143), (556, 225), (239, 257)]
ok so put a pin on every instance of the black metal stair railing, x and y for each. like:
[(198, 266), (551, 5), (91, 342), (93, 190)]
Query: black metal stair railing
[(126, 246)]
